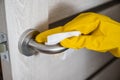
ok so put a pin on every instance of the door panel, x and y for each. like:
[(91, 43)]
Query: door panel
[(110, 73), (59, 9), (113, 12), (20, 16)]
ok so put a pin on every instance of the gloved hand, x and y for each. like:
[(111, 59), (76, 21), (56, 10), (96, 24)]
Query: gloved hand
[(99, 33)]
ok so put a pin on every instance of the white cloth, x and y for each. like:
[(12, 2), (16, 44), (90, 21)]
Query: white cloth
[(57, 38)]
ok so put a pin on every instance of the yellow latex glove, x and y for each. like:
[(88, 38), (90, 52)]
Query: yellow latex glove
[(99, 33)]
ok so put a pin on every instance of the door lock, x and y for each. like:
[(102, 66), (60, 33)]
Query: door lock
[(4, 47), (3, 41)]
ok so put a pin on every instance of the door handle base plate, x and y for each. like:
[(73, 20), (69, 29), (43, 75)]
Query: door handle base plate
[(23, 46)]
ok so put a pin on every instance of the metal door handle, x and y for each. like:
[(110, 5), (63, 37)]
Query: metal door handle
[(29, 47)]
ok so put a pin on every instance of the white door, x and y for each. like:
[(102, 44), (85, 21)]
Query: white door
[(22, 15)]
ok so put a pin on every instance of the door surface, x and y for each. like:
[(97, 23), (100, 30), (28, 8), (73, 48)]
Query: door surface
[(20, 16), (38, 14)]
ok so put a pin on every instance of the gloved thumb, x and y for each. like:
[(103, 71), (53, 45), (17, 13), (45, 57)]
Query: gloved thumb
[(76, 42), (42, 37)]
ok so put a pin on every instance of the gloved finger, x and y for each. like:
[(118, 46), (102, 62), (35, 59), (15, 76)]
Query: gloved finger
[(85, 23), (96, 43), (42, 37), (99, 43), (76, 42), (115, 52)]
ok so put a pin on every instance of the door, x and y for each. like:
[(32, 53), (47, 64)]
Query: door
[(22, 15)]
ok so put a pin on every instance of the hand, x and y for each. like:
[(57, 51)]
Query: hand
[(99, 33)]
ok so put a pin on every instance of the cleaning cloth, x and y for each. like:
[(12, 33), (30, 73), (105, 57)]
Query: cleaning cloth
[(57, 38)]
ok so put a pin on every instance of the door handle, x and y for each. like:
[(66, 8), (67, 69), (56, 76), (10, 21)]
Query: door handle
[(28, 46)]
